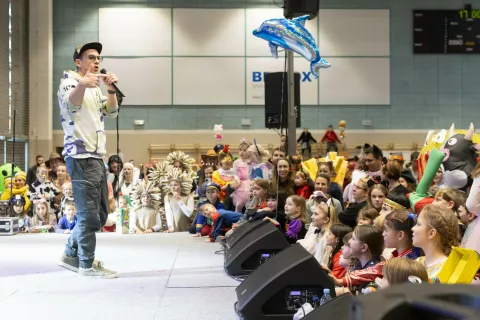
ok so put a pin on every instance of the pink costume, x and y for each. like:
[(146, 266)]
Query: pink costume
[(241, 195)]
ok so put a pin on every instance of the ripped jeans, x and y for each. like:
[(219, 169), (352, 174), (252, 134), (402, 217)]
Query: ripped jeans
[(90, 194)]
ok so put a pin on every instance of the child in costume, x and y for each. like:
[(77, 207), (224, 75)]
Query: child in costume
[(242, 170), (43, 219), (315, 241), (145, 217), (366, 245), (225, 175), (302, 187), (185, 163), (203, 225), (69, 220), (178, 201), (19, 188), (42, 188), (17, 205), (436, 232), (397, 234), (222, 219), (335, 241), (295, 211), (256, 154), (240, 165)]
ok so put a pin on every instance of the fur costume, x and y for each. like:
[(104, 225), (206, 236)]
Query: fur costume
[(145, 217), (178, 212), (186, 161)]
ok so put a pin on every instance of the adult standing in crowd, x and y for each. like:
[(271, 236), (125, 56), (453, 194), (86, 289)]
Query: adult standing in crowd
[(52, 163), (32, 172), (115, 166), (83, 108)]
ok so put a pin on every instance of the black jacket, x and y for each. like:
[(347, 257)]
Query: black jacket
[(306, 137), (349, 215)]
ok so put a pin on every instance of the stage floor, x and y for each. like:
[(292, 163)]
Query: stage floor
[(161, 276)]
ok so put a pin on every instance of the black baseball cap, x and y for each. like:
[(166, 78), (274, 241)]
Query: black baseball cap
[(84, 47)]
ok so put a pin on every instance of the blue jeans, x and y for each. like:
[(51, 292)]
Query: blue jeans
[(90, 193)]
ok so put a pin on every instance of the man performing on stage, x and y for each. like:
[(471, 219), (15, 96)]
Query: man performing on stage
[(82, 108)]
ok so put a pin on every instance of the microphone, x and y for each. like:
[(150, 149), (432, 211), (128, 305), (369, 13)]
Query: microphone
[(104, 71)]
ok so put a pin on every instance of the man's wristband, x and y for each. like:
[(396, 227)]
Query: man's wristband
[(111, 91)]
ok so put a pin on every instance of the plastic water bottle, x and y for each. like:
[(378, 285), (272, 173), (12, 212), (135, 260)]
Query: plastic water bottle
[(326, 297)]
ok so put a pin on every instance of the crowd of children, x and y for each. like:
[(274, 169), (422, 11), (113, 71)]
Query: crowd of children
[(364, 232)]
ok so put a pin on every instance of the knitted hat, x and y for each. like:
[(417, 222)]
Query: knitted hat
[(21, 174)]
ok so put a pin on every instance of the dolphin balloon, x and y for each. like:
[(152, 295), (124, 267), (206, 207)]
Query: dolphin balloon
[(292, 35)]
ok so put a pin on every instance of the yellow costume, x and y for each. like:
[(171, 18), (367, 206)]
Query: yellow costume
[(22, 192)]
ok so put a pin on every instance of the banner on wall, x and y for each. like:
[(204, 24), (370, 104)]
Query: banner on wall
[(258, 67)]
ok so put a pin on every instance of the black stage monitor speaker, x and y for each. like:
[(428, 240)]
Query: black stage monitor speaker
[(297, 8), (274, 290), (419, 302), (243, 230), (254, 249), (276, 107), (338, 309)]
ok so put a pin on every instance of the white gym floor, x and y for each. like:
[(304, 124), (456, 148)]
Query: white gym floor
[(161, 276)]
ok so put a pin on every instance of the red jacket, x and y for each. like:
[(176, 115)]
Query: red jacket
[(337, 270), (363, 277), (330, 136), (303, 192)]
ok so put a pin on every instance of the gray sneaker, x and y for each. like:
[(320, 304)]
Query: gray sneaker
[(70, 263), (97, 271)]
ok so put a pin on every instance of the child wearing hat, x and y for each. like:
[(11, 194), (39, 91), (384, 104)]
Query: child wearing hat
[(17, 205), (19, 187), (203, 225)]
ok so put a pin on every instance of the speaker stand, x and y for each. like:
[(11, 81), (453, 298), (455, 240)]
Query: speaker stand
[(292, 112)]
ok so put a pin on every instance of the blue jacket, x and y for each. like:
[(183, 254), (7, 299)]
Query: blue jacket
[(63, 224), (225, 219), (201, 219)]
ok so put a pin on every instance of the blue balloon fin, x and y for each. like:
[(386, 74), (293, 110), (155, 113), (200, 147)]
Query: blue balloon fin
[(315, 66), (301, 20), (273, 49)]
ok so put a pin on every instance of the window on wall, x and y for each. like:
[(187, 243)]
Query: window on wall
[(14, 82)]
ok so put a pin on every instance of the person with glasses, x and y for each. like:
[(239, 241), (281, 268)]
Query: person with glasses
[(83, 108), (360, 195)]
